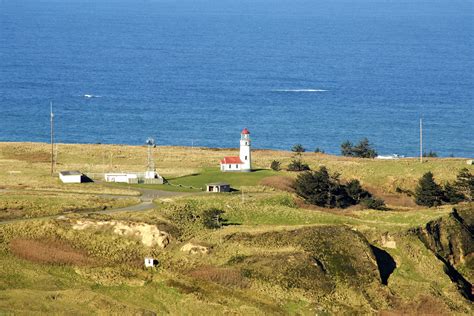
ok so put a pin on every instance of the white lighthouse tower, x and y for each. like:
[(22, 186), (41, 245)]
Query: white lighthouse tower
[(242, 163), (245, 155)]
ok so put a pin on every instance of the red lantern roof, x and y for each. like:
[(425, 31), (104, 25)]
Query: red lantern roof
[(245, 131)]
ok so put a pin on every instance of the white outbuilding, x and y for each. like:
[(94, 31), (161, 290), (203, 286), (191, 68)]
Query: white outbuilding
[(218, 187), (242, 163), (121, 177), (150, 262), (70, 176)]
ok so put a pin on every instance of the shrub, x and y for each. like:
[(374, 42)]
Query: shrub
[(374, 203), (428, 192), (211, 218), (404, 191), (319, 150), (431, 154), (298, 165), (298, 148), (275, 165)]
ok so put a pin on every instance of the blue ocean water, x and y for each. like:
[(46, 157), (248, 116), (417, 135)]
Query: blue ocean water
[(198, 71)]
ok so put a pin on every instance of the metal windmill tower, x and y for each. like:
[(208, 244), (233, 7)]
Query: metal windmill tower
[(150, 162), (151, 176)]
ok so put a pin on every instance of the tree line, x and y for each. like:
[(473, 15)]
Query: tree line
[(363, 149)]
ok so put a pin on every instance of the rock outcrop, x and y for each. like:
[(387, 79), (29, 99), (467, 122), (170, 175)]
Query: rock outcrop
[(149, 235), (194, 249), (451, 239)]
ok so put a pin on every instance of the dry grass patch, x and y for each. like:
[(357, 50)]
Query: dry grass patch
[(223, 276), (424, 305), (48, 252)]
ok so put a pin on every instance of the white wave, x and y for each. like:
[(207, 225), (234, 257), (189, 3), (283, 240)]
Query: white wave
[(90, 96), (300, 90)]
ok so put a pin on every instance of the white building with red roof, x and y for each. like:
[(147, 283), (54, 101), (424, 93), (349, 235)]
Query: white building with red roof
[(243, 162)]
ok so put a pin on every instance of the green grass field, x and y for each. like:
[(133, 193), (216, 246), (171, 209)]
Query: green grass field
[(235, 179)]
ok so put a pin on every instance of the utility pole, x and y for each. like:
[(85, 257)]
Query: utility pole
[(52, 137), (421, 140)]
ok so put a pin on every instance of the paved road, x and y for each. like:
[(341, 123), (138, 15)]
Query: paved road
[(146, 200), (146, 203)]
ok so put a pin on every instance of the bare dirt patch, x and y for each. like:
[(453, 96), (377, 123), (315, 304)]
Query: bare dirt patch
[(48, 251), (393, 199), (279, 182)]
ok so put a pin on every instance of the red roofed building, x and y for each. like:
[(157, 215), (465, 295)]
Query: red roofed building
[(231, 160), (243, 163)]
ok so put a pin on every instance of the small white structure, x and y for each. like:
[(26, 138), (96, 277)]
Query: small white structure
[(390, 157), (470, 162), (218, 187), (152, 177), (70, 176), (243, 163), (150, 262), (131, 178)]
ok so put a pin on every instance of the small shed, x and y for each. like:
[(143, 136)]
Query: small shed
[(150, 262), (218, 187), (70, 176)]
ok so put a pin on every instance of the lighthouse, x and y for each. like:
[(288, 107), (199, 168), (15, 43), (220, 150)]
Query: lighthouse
[(245, 155), (242, 163)]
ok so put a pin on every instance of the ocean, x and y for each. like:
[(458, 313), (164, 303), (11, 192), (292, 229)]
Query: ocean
[(196, 72)]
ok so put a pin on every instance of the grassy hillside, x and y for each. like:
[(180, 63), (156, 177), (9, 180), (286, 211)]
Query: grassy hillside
[(273, 254)]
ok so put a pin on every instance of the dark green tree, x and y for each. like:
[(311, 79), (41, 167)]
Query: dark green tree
[(452, 195), (364, 149), (298, 148), (322, 189), (356, 192), (346, 149), (317, 187), (319, 150), (464, 183), (428, 192), (275, 165)]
